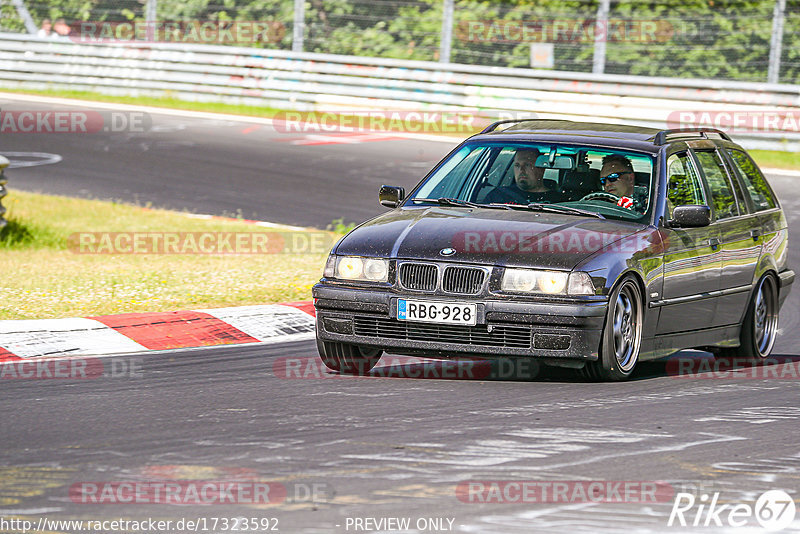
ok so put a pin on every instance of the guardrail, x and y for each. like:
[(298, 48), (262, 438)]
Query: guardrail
[(306, 81)]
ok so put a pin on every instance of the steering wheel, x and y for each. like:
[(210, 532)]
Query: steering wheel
[(601, 195)]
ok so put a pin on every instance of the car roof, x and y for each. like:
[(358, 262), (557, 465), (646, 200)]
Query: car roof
[(623, 136)]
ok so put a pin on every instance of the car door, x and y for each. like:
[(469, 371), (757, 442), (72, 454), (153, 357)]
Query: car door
[(739, 231), (691, 261)]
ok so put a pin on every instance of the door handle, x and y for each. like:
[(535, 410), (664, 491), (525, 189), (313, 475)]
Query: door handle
[(755, 234), (714, 242)]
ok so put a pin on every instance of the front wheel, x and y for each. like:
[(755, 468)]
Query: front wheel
[(622, 334), (348, 359)]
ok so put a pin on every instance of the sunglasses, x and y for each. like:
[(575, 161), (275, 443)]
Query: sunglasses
[(613, 177)]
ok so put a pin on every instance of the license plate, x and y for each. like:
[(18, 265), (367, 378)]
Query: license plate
[(437, 312)]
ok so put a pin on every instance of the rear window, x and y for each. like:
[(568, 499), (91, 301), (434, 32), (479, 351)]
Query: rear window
[(757, 188), (717, 179)]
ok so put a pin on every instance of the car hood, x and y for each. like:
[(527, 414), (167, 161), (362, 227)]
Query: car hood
[(485, 236)]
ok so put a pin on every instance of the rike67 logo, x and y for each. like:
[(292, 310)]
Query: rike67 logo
[(774, 510)]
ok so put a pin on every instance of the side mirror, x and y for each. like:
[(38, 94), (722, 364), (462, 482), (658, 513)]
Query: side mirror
[(690, 216), (391, 196)]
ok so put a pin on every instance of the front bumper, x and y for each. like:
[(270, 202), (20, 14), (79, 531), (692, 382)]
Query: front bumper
[(506, 327)]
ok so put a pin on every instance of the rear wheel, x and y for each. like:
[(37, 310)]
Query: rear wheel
[(346, 358), (622, 334), (760, 325)]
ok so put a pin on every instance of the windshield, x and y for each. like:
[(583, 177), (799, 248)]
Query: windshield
[(607, 182)]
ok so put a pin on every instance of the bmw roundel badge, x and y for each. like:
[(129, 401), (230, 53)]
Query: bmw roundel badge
[(447, 251)]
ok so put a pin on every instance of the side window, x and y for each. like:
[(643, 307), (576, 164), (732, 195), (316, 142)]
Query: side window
[(683, 185), (721, 192), (754, 181)]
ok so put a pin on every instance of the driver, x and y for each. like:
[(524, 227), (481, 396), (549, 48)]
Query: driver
[(528, 183), (618, 178)]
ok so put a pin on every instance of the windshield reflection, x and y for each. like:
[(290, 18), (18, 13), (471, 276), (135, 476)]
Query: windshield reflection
[(611, 183)]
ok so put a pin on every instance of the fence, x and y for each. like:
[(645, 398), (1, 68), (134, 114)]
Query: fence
[(305, 81), (743, 40)]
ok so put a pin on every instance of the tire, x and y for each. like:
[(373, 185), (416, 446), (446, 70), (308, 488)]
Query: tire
[(760, 324), (622, 334), (348, 359)]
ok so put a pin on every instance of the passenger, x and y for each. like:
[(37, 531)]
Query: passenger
[(528, 186)]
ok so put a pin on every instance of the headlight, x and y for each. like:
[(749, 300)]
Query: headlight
[(547, 282), (519, 280), (552, 283), (350, 268), (355, 268), (377, 270)]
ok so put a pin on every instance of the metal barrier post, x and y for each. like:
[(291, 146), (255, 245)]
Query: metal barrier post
[(25, 15), (299, 25), (776, 44), (151, 18), (600, 37), (447, 31)]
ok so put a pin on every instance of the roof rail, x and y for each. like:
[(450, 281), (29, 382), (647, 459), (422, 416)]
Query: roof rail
[(661, 137), (492, 127)]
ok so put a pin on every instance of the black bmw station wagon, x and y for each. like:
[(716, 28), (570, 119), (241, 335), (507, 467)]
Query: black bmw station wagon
[(589, 246)]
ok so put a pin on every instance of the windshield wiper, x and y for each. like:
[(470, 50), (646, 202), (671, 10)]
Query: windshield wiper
[(445, 201), (556, 208)]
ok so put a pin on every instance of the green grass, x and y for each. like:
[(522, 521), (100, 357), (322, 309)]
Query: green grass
[(776, 160), (338, 226), (45, 278), (160, 102)]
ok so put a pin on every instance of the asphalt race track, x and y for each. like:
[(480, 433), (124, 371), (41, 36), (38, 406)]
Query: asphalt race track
[(348, 448), (390, 447), (222, 167)]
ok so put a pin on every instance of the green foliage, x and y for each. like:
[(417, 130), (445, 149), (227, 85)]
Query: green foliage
[(725, 39), (18, 234), (340, 227)]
